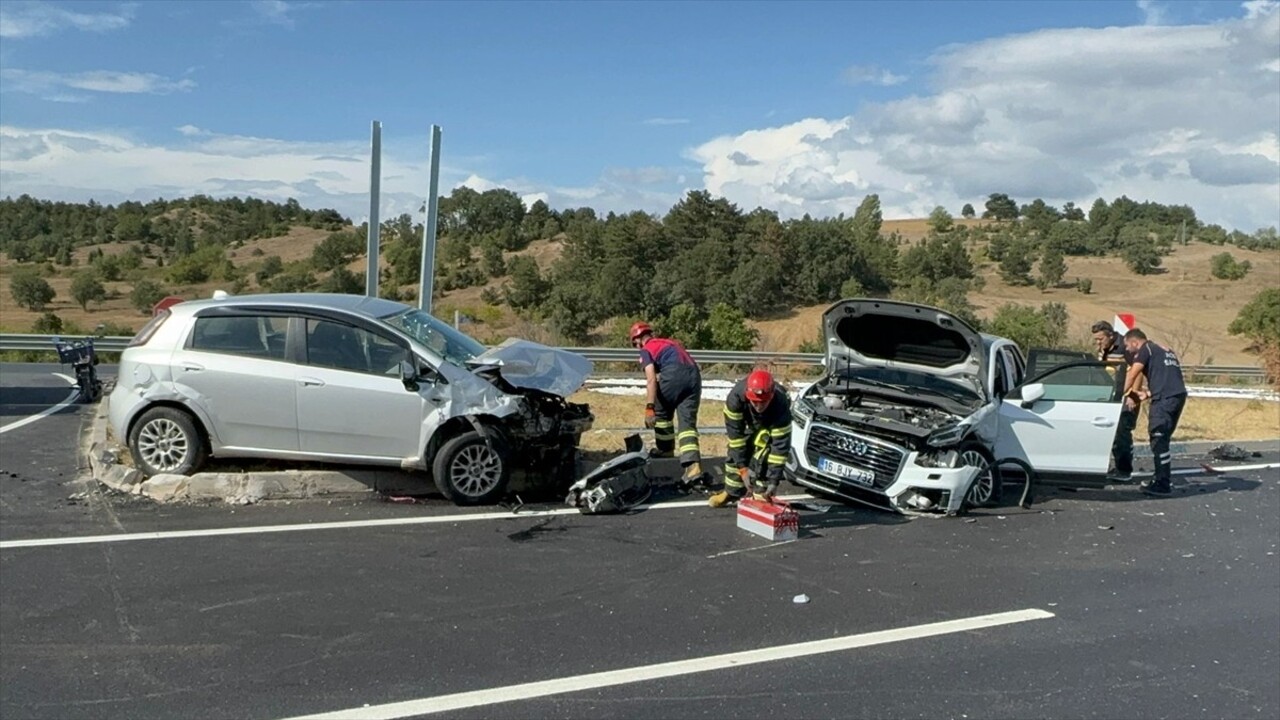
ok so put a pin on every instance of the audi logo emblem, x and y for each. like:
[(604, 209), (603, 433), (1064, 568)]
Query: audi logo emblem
[(850, 445)]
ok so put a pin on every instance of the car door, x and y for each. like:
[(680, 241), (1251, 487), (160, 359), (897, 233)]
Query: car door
[(1066, 433), (233, 367), (351, 401)]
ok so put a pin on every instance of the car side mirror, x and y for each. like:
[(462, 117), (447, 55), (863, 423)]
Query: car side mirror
[(409, 375), (1031, 393)]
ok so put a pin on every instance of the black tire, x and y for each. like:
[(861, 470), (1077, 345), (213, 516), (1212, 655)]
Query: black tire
[(472, 470), (167, 440), (986, 488)]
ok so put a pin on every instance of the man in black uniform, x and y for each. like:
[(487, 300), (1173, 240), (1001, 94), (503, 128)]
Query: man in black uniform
[(757, 420), (1111, 350), (1168, 395)]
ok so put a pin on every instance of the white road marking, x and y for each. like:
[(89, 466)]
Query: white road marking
[(47, 411), (625, 676), (343, 524), (752, 549), (1215, 468)]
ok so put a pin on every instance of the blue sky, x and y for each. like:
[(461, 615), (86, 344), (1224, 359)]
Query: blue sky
[(802, 107)]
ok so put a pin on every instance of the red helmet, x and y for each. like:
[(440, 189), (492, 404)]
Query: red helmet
[(639, 330), (760, 386)]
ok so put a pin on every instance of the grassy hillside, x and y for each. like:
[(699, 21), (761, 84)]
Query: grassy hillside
[(1183, 305)]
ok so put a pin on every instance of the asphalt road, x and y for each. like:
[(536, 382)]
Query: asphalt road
[(1164, 608)]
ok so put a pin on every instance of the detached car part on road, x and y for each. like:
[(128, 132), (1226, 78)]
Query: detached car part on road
[(346, 379), (917, 409)]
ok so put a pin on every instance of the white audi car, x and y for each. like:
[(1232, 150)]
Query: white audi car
[(917, 411)]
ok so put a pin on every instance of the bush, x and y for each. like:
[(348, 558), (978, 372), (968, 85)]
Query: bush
[(1259, 319), (31, 291), (86, 287), (1224, 266), (47, 324), (1084, 285), (1030, 327), (146, 293)]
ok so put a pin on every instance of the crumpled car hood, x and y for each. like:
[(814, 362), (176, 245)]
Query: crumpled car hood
[(533, 366), (884, 333)]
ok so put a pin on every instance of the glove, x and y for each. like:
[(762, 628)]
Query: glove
[(770, 491), (744, 474), (650, 417)]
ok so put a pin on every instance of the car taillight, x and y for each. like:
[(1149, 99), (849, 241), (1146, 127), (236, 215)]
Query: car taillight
[(149, 329)]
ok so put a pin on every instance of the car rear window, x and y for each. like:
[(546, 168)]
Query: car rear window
[(149, 329)]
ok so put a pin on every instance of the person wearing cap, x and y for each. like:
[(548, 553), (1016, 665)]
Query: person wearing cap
[(1167, 392), (757, 420), (673, 387), (1111, 350)]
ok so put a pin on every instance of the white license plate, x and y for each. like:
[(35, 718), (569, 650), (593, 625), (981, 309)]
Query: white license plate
[(848, 472)]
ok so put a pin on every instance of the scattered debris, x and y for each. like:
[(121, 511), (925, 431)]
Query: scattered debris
[(971, 520), (1189, 555), (405, 499), (1106, 527), (800, 599), (1227, 451)]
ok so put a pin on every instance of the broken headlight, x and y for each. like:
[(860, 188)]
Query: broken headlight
[(950, 435), (801, 412), (943, 459)]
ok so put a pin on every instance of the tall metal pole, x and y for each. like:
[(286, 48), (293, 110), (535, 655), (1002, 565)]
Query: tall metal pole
[(375, 199), (426, 277)]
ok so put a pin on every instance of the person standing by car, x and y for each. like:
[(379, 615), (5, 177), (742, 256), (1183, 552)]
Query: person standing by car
[(757, 413), (1167, 393), (673, 386), (1111, 350)]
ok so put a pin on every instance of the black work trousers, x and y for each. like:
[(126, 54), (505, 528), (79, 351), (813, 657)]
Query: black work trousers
[(679, 393), (1162, 420), (1122, 446)]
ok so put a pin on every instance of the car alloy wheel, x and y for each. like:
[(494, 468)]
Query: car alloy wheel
[(163, 444), (476, 470), (983, 489)]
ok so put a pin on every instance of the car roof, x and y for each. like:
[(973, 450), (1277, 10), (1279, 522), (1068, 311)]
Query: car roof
[(361, 304)]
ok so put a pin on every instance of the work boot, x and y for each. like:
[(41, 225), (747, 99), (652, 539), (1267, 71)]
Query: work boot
[(720, 499), (1115, 476), (656, 454), (695, 477), (1156, 488)]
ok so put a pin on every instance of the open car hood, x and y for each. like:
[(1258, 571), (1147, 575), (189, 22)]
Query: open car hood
[(532, 366), (888, 334)]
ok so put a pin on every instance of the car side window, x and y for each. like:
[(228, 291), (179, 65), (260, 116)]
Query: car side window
[(249, 335), (1082, 382), (343, 347), (1014, 363)]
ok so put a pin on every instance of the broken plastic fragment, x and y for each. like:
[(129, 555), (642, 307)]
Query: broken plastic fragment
[(800, 599)]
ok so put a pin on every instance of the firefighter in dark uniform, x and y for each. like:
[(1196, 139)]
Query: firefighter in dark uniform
[(1111, 350), (757, 419), (1167, 393), (673, 387)]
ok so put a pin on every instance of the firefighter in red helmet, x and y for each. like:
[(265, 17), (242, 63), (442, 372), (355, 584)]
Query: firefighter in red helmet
[(673, 388), (757, 419)]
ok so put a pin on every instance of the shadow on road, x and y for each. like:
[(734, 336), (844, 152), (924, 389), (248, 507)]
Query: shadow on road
[(23, 401)]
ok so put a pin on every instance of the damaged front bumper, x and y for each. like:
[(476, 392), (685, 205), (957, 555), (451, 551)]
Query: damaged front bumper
[(914, 489)]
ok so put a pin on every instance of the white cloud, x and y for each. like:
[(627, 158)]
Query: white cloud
[(864, 74), (191, 130), (50, 84), (1153, 12), (1173, 114), (38, 19), (666, 121)]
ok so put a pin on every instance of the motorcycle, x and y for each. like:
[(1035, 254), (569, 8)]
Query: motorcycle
[(80, 355)]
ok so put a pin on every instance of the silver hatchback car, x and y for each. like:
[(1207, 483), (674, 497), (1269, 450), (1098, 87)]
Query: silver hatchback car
[(346, 379)]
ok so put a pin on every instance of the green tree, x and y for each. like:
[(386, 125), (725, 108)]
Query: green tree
[(937, 258), (1040, 216), (1259, 319), (30, 291), (940, 221), (1015, 266), (1224, 266), (1072, 213), (1000, 207), (272, 265), (1141, 255), (950, 294), (47, 324), (1028, 326), (337, 249), (966, 212), (342, 281), (145, 294), (494, 264), (727, 329), (1052, 267), (527, 290), (87, 287)]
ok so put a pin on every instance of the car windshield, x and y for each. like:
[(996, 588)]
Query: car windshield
[(453, 346), (910, 381)]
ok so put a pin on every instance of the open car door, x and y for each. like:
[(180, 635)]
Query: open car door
[(1062, 423)]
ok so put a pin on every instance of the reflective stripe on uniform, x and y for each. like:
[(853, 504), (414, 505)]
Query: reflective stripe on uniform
[(780, 432), (777, 459), (732, 415), (738, 443)]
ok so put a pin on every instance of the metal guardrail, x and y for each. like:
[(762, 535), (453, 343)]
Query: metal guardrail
[(16, 341)]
